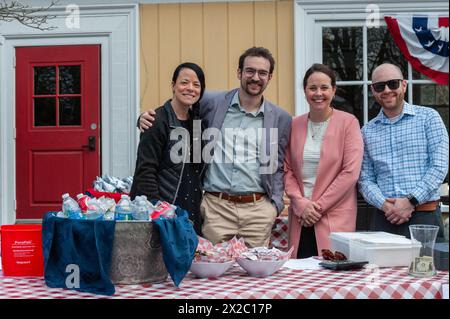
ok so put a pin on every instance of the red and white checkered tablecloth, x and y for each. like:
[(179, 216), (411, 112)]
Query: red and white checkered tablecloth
[(384, 283), (279, 236)]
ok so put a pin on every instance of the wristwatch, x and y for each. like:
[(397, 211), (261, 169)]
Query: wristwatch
[(412, 200)]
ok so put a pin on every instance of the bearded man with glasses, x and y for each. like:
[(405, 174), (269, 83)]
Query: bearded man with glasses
[(405, 158)]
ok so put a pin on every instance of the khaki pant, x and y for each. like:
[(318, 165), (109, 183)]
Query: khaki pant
[(223, 219)]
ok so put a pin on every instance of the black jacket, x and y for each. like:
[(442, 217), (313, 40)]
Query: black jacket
[(156, 175)]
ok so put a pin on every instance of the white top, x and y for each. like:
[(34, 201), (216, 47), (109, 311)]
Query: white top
[(311, 154)]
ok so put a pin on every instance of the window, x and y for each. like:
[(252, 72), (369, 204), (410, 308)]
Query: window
[(57, 103), (353, 52)]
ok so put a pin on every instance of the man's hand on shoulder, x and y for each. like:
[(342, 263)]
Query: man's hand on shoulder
[(146, 119)]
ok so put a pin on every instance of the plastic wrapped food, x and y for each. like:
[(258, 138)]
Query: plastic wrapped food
[(264, 253), (222, 252)]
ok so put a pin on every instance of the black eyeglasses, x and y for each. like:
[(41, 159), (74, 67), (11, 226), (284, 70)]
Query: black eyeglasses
[(250, 72), (392, 85)]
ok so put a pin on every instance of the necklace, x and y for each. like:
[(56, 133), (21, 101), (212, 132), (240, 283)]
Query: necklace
[(317, 130)]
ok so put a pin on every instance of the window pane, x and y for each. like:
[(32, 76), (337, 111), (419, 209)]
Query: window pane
[(381, 48), (69, 79), (374, 107), (44, 80), (419, 76), (435, 96), (343, 52), (69, 111), (350, 99), (45, 111)]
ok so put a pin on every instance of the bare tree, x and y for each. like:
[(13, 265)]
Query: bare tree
[(26, 14)]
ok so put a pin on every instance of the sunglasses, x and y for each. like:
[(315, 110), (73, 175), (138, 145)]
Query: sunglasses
[(392, 85)]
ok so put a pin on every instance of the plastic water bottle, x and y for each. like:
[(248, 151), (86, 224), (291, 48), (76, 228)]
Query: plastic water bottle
[(70, 207), (94, 209), (83, 202), (124, 209), (149, 204), (109, 215), (61, 214), (150, 207), (141, 210), (164, 209), (108, 206)]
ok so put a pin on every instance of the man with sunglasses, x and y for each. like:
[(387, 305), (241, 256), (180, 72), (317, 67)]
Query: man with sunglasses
[(405, 158)]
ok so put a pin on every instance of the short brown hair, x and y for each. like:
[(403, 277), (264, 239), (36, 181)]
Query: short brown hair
[(322, 68), (258, 52)]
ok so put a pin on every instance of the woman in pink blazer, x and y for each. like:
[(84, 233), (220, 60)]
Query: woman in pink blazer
[(322, 165)]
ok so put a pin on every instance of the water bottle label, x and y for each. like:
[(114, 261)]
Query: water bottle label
[(83, 203), (124, 216), (75, 214)]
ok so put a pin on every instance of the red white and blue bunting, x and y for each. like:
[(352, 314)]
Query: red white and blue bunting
[(423, 41)]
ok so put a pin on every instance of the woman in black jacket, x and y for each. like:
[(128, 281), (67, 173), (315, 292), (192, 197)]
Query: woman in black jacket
[(165, 168)]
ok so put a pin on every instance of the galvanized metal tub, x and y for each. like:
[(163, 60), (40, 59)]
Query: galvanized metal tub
[(137, 254)]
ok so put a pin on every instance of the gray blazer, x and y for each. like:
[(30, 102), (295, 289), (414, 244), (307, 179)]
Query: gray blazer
[(213, 108)]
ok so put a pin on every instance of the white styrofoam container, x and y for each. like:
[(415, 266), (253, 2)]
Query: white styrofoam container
[(340, 241), (357, 246), (384, 255)]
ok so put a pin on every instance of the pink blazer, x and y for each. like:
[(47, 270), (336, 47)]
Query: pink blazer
[(337, 173)]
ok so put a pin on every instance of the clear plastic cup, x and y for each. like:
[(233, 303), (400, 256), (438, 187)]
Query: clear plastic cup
[(422, 265)]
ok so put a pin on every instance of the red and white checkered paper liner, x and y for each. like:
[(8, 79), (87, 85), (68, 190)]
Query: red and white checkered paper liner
[(385, 283)]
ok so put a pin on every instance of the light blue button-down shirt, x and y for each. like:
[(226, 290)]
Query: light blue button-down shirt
[(235, 165), (408, 155)]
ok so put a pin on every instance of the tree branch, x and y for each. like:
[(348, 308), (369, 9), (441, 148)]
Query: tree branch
[(26, 14)]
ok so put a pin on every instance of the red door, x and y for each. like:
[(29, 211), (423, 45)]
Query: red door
[(57, 125)]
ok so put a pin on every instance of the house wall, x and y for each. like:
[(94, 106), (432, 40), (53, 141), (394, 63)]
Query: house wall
[(214, 35)]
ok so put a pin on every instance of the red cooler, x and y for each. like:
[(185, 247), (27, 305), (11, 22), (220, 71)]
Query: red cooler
[(22, 250)]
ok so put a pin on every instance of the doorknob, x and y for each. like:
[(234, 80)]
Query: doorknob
[(91, 144)]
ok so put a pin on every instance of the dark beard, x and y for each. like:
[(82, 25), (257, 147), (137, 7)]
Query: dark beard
[(250, 92)]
